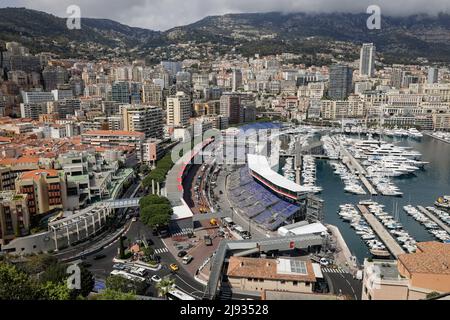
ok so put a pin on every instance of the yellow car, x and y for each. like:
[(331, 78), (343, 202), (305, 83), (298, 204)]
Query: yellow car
[(174, 267)]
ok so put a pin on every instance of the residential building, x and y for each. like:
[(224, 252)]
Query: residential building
[(412, 277), (367, 60), (145, 119), (120, 92), (179, 110), (45, 190), (340, 82), (230, 106), (282, 274), (14, 216)]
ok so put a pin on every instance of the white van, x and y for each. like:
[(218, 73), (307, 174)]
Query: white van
[(187, 259), (239, 230)]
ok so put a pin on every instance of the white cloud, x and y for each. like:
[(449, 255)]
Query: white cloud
[(164, 14)]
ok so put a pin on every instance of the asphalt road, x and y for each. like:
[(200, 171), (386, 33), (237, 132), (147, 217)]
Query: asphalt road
[(102, 268), (344, 283), (103, 238)]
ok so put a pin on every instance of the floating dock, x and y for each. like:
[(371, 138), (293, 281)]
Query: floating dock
[(438, 221), (381, 231)]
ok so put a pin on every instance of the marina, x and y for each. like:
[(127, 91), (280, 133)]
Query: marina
[(422, 187), (390, 243)]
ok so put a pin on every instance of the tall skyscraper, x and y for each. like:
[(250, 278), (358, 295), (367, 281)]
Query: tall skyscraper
[(367, 60), (236, 81), (179, 110), (145, 119), (433, 74), (341, 77)]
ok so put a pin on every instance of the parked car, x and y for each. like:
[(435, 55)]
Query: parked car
[(119, 266), (156, 278), (324, 262), (187, 259), (182, 253)]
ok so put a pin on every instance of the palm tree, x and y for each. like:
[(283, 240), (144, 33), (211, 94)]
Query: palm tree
[(165, 286)]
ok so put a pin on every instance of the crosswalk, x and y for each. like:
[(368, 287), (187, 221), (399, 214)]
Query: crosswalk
[(161, 250), (332, 270), (182, 232)]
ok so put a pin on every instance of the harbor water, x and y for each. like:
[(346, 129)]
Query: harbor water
[(421, 188)]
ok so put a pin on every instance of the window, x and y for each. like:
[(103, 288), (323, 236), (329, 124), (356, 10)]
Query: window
[(295, 283)]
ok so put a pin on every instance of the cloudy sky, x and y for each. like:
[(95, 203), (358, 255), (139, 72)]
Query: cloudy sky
[(165, 14)]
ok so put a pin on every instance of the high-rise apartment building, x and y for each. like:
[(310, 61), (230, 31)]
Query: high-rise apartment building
[(433, 74), (120, 92), (152, 94), (145, 119), (367, 60), (230, 106), (179, 110), (236, 81), (341, 77), (54, 76)]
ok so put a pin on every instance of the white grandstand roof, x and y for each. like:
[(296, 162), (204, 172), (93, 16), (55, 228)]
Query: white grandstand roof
[(260, 165), (313, 228)]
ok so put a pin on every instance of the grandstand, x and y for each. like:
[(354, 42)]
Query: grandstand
[(258, 202)]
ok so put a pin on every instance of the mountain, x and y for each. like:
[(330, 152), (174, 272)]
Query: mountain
[(412, 36), (45, 32), (401, 39)]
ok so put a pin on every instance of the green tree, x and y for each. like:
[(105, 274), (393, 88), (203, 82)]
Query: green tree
[(109, 294), (149, 254), (87, 283), (38, 263), (156, 215), (117, 283), (164, 287), (16, 285), (55, 291), (153, 199)]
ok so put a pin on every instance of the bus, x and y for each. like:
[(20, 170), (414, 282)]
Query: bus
[(177, 294)]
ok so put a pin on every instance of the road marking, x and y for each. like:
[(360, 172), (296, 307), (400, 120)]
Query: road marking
[(161, 250), (195, 289)]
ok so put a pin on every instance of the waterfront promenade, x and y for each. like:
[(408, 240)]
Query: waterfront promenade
[(381, 231)]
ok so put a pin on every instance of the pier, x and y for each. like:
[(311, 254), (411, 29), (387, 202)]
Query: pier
[(354, 166), (438, 221), (437, 138), (381, 231)]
